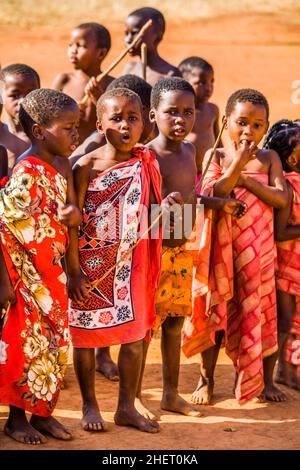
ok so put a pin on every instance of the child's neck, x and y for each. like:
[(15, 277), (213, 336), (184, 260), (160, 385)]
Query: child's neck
[(37, 149), (14, 127), (110, 153), (200, 104), (92, 71), (167, 144), (153, 58)]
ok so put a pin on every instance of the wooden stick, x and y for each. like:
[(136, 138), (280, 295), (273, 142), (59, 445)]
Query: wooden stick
[(144, 59), (118, 60)]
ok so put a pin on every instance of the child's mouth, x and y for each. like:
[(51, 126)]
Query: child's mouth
[(125, 138), (179, 131)]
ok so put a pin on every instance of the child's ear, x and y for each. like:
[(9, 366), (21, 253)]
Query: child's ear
[(102, 53), (99, 127), (291, 161), (224, 119), (37, 132), (152, 115)]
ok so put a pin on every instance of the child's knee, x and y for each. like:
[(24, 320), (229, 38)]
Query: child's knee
[(173, 325)]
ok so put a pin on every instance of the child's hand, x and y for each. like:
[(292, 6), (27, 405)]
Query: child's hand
[(171, 199), (94, 90), (70, 215), (235, 207), (244, 153), (78, 286), (7, 295)]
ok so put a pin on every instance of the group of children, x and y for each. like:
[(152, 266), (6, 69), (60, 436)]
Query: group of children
[(86, 185)]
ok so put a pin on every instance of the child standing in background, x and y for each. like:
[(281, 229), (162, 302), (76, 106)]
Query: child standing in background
[(284, 138), (200, 74), (18, 80), (89, 45)]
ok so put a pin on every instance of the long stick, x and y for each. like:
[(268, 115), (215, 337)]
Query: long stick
[(144, 59), (118, 60)]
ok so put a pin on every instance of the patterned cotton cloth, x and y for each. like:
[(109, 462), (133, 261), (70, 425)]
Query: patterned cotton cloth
[(288, 276), (234, 287), (34, 341), (121, 308)]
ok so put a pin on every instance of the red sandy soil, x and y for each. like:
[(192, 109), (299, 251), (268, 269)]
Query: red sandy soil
[(246, 51)]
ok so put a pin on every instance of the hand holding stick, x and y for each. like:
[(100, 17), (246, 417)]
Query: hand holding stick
[(118, 60)]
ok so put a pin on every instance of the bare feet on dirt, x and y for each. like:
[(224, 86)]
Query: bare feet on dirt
[(135, 419)]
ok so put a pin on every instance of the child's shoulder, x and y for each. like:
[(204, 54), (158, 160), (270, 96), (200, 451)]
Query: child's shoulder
[(61, 80), (172, 70), (188, 148), (268, 156)]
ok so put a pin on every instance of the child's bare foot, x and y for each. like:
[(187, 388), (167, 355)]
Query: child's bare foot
[(108, 368), (203, 393), (141, 408), (177, 404), (135, 419), (92, 419), (271, 393), (51, 426), (22, 431)]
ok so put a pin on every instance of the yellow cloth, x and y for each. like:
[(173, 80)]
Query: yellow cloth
[(174, 294)]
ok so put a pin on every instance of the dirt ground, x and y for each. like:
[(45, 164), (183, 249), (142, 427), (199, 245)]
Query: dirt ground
[(246, 51)]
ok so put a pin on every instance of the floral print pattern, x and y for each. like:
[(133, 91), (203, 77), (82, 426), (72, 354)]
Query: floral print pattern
[(35, 336)]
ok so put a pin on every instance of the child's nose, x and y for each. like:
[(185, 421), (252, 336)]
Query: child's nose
[(124, 124)]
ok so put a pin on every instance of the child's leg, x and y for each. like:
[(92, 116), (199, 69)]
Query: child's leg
[(171, 347), (139, 405), (105, 364), (19, 429), (84, 364), (286, 307), (270, 392), (130, 366), (208, 359)]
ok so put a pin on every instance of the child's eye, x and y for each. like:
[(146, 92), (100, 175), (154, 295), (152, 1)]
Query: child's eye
[(189, 112), (132, 118), (257, 126), (242, 123), (116, 118)]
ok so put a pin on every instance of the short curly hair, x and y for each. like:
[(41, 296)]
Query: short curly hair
[(42, 106), (246, 94), (283, 137), (134, 83), (169, 84), (187, 65), (102, 35), (116, 92), (20, 69), (149, 13)]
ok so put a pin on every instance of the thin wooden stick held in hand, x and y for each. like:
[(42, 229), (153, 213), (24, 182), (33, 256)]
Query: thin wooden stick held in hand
[(118, 60), (144, 59)]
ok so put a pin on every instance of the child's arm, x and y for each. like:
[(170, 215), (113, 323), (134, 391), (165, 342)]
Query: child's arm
[(3, 162), (283, 231), (77, 283), (229, 179), (7, 293), (235, 207), (275, 194), (70, 214), (216, 125)]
